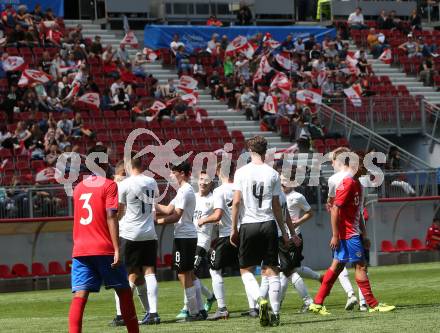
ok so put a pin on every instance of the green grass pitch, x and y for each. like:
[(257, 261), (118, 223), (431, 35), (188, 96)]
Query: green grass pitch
[(415, 289)]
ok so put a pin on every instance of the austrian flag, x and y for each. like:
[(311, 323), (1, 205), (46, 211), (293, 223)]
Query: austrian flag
[(238, 43), (309, 96), (12, 64), (386, 57), (91, 100), (130, 39), (271, 104), (187, 84), (157, 106)]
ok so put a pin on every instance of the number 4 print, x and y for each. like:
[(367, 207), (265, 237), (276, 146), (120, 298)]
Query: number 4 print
[(257, 191)]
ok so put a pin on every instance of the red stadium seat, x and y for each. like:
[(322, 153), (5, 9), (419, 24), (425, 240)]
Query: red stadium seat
[(417, 245), (387, 246), (68, 266), (38, 269), (5, 273), (402, 245), (55, 268), (21, 270)]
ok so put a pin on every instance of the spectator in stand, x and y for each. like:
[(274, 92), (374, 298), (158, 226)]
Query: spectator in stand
[(331, 51), (300, 47), (374, 45), (8, 16), (122, 101), (179, 110), (64, 126), (91, 85), (175, 44), (52, 154), (315, 53), (50, 16), (17, 37), (224, 42), (244, 15), (50, 136), (6, 140), (356, 20), (43, 123), (78, 128), (242, 67), (109, 67), (426, 71), (122, 54), (433, 235), (427, 49), (23, 17), (45, 62), (199, 74), (393, 160), (22, 135), (213, 45), (411, 47), (29, 102), (54, 102), (214, 21), (363, 65), (37, 14), (182, 60), (107, 102), (10, 103), (118, 84), (248, 104), (392, 22), (415, 21), (75, 35), (96, 47), (139, 63), (228, 67), (381, 19)]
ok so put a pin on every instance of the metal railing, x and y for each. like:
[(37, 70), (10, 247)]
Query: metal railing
[(431, 123), (338, 122)]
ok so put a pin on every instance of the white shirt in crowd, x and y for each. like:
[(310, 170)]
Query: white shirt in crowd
[(258, 184), (175, 45), (204, 208), (355, 18), (185, 199), (223, 196), (116, 86), (138, 194)]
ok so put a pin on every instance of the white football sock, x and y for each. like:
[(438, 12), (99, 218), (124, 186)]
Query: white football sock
[(301, 288), (118, 305), (264, 286), (152, 291), (143, 296), (185, 302), (191, 297), (307, 272), (284, 282), (274, 293), (198, 287), (205, 291), (251, 285), (252, 303), (218, 287), (345, 282)]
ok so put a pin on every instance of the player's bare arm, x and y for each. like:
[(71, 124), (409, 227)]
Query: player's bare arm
[(172, 218), (164, 209), (307, 216), (121, 211), (236, 202), (277, 211), (113, 227), (215, 217), (334, 243), (294, 238)]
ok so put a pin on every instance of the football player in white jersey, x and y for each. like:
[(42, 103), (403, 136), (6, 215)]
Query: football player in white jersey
[(137, 194), (257, 187), (180, 212), (223, 254)]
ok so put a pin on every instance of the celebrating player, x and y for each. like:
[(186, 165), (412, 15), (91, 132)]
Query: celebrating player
[(96, 257), (180, 212), (346, 242), (258, 185)]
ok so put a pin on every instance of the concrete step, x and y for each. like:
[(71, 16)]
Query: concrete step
[(421, 89)]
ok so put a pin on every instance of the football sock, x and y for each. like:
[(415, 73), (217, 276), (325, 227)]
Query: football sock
[(284, 282), (274, 293), (264, 286), (191, 297), (327, 283), (301, 288), (361, 298), (197, 285), (185, 302), (365, 287), (76, 314), (252, 303), (345, 282), (205, 291), (218, 287), (151, 288), (118, 305), (251, 285), (128, 310), (307, 272)]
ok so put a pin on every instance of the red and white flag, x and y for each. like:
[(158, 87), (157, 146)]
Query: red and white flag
[(282, 82), (130, 39), (386, 57), (309, 96), (271, 104), (13, 63), (321, 78), (45, 175), (91, 100), (23, 82), (157, 106), (352, 62), (248, 50), (258, 75), (54, 36), (190, 99), (74, 90), (187, 84), (150, 54), (284, 61), (272, 43), (237, 44), (354, 94), (264, 65), (37, 76)]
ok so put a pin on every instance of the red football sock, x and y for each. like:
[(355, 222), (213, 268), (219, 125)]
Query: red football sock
[(128, 310), (365, 287), (76, 314), (327, 284)]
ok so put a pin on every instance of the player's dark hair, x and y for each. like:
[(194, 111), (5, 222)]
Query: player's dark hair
[(184, 167), (258, 145), (136, 162), (222, 172)]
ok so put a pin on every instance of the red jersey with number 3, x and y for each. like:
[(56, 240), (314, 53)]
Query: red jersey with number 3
[(91, 200), (348, 198)]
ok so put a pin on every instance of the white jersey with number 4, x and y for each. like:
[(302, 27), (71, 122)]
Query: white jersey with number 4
[(204, 208), (258, 184), (138, 194)]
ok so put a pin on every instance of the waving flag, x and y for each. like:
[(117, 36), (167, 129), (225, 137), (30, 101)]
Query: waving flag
[(284, 61), (309, 96), (190, 99), (90, 100), (13, 63), (322, 77), (34, 75), (187, 84), (45, 175), (150, 54), (130, 39), (271, 104), (157, 106), (237, 44), (264, 65), (248, 50), (354, 94), (281, 81), (386, 57)]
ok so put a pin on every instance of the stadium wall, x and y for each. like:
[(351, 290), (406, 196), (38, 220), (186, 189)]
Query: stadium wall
[(17, 240)]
